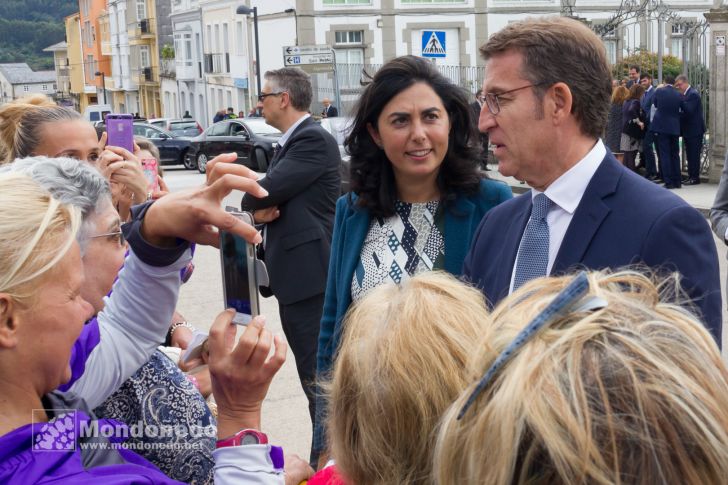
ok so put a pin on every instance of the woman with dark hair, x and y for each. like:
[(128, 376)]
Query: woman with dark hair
[(416, 198), (632, 127)]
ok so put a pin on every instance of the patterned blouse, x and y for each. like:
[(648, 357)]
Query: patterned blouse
[(409, 242)]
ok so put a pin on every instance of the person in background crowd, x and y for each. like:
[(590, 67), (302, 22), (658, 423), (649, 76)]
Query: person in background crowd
[(416, 193), (613, 133), (666, 124), (648, 142), (187, 115), (476, 106), (42, 314), (241, 114), (230, 114), (634, 75), (615, 383), (219, 116), (303, 181), (548, 85), (632, 127), (414, 340), (255, 112), (692, 127), (329, 111)]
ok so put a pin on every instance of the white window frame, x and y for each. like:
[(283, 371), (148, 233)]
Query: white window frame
[(145, 52), (141, 9)]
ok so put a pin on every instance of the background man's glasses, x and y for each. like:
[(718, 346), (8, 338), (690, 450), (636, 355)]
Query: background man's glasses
[(262, 96)]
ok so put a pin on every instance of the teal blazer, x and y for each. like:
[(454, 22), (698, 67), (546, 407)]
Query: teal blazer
[(350, 228)]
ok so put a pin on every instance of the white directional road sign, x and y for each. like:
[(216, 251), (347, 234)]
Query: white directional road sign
[(294, 50), (297, 60)]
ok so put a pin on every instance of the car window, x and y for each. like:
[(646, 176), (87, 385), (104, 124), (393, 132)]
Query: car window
[(182, 125), (152, 133), (140, 130), (238, 130), (262, 128), (219, 129), (159, 123)]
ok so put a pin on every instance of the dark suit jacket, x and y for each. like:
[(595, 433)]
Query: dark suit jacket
[(646, 106), (304, 181), (612, 227), (331, 113), (667, 100), (691, 120)]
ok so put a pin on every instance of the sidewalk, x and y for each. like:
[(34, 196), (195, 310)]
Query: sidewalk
[(699, 196)]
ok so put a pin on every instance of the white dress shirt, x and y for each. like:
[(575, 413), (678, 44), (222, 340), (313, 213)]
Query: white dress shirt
[(283, 139), (566, 193)]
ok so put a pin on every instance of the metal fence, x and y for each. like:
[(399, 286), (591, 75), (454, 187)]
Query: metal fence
[(353, 77)]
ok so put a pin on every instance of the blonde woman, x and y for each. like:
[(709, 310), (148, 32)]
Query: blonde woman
[(400, 365), (618, 387)]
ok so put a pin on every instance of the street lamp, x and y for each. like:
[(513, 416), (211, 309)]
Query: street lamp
[(295, 16), (243, 10), (103, 83)]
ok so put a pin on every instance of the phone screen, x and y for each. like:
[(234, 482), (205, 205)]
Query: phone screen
[(120, 130), (239, 282), (149, 166)]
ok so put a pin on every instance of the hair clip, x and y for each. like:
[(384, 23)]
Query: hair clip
[(568, 300)]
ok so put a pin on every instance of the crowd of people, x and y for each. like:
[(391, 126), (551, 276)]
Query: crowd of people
[(443, 330), (650, 121)]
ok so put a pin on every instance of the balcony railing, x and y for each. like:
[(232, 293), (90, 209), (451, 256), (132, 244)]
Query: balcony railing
[(186, 69), (145, 27), (147, 74), (217, 63)]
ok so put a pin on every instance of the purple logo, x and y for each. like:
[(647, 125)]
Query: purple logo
[(58, 434)]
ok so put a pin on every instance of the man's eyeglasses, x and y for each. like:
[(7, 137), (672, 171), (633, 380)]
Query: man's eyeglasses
[(262, 96), (118, 235), (569, 300), (491, 99)]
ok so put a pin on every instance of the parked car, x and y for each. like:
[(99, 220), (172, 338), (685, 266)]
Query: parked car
[(251, 138), (340, 127), (173, 149), (180, 127)]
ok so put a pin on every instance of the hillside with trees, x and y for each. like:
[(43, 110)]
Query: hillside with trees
[(29, 26)]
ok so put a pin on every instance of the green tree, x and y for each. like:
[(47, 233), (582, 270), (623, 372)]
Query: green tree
[(647, 61)]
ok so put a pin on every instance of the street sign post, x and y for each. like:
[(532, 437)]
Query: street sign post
[(314, 59)]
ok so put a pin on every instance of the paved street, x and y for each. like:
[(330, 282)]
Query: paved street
[(285, 412)]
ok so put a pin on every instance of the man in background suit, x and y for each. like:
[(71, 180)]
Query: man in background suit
[(303, 181), (547, 85), (719, 211), (666, 124), (692, 127), (329, 110), (476, 106), (647, 107)]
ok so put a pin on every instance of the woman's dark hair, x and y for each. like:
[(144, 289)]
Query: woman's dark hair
[(372, 177)]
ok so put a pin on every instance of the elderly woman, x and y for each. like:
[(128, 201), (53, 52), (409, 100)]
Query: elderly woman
[(158, 394), (417, 194), (608, 383), (42, 311)]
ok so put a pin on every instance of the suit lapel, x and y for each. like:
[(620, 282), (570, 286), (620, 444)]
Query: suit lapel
[(279, 151), (458, 222), (512, 240), (589, 215)]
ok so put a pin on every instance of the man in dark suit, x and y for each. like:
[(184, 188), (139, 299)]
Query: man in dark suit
[(634, 75), (584, 209), (666, 124), (692, 127), (647, 110), (476, 106), (329, 111), (303, 181)]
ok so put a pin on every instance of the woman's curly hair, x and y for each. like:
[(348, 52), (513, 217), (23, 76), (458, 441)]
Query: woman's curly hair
[(372, 177)]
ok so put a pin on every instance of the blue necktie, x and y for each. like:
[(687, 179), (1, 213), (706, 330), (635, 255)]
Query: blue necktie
[(533, 255)]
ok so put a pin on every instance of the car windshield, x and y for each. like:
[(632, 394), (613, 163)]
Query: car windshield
[(338, 127), (182, 125), (262, 128)]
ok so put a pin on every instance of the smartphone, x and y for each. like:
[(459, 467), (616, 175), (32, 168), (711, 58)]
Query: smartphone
[(242, 272), (120, 131), (149, 166)]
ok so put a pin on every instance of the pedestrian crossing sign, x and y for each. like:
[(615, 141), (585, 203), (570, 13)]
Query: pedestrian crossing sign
[(433, 43)]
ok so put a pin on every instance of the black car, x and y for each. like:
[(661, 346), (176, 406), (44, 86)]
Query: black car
[(173, 149), (251, 138)]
